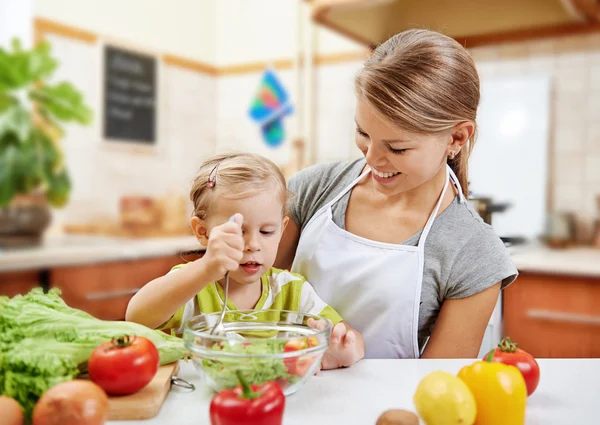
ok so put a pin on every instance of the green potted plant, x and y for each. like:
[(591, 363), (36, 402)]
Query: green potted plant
[(33, 176)]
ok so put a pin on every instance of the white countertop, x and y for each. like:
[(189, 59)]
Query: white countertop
[(583, 261), (62, 250), (568, 393), (74, 249)]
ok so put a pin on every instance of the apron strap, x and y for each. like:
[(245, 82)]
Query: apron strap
[(349, 187), (434, 214), (461, 196)]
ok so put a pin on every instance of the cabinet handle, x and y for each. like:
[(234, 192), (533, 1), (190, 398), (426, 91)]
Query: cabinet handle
[(95, 296), (558, 316)]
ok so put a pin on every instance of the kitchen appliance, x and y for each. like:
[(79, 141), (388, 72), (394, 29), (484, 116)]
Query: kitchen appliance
[(485, 207)]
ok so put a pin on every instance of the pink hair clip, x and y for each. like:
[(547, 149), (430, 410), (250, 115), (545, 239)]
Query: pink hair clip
[(212, 177)]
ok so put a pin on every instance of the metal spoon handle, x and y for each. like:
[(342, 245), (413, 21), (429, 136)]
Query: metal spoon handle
[(225, 300)]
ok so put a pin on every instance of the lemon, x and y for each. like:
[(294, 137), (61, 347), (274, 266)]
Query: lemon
[(444, 399)]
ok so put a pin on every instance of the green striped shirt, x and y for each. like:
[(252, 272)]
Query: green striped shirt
[(281, 290)]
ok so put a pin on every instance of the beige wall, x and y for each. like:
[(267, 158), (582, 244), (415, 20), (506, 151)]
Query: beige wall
[(205, 114), (265, 30), (182, 27)]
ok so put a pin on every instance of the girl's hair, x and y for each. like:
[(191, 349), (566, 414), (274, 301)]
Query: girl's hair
[(235, 176), (423, 82)]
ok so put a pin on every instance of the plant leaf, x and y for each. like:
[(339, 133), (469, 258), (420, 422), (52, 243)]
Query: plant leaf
[(6, 101), (59, 188), (21, 68), (8, 157), (41, 65), (63, 101), (17, 120)]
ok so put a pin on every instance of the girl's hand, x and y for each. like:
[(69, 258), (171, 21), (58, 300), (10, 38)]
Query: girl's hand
[(225, 248), (345, 347)]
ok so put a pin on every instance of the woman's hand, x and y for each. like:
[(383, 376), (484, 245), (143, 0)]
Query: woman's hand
[(346, 345)]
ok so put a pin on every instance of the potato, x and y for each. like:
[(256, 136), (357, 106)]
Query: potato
[(398, 417)]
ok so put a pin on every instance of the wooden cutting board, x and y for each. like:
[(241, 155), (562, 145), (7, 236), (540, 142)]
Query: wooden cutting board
[(146, 403)]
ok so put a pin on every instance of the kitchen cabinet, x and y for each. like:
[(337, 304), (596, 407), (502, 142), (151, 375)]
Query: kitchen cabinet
[(21, 282), (471, 22), (104, 289), (553, 315)]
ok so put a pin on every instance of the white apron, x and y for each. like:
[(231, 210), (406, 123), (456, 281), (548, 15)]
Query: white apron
[(375, 286)]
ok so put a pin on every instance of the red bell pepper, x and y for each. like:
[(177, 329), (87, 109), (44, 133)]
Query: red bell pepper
[(248, 405)]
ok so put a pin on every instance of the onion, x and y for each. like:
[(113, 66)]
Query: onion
[(75, 402), (11, 411)]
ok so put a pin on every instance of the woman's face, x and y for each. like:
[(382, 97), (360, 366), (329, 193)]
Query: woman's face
[(400, 161)]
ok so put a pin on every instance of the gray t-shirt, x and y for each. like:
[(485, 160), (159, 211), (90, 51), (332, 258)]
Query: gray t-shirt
[(463, 254)]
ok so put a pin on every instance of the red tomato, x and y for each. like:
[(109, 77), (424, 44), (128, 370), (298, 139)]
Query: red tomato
[(507, 352), (303, 364), (124, 365), (299, 365)]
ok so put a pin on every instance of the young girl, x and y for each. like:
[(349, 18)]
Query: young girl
[(253, 191)]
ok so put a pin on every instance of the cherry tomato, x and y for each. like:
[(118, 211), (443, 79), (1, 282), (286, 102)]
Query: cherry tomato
[(124, 365), (299, 365), (507, 352)]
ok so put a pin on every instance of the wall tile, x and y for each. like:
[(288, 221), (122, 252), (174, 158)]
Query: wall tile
[(568, 197), (568, 168), (592, 169), (569, 139), (593, 138)]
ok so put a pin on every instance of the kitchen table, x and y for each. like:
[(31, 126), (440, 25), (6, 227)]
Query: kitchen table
[(568, 394)]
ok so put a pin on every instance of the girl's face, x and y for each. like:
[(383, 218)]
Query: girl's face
[(400, 161), (262, 228)]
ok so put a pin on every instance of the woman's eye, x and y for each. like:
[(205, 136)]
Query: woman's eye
[(264, 232), (361, 133)]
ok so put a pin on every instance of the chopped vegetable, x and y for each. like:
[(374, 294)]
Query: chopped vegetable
[(124, 365), (257, 370), (76, 402), (44, 342), (248, 405)]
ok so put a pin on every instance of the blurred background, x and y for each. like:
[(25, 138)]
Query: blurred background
[(108, 108)]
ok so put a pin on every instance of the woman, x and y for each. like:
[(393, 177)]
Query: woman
[(389, 240)]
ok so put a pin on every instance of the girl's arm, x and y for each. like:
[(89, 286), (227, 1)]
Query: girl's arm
[(159, 299), (461, 325)]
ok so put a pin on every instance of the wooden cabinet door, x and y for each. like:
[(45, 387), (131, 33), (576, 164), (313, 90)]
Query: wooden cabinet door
[(15, 283), (554, 316), (104, 290)]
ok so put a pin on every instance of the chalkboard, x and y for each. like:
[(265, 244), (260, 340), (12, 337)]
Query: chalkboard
[(129, 96)]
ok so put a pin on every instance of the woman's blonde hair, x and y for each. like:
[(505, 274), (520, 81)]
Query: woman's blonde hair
[(423, 82), (235, 176)]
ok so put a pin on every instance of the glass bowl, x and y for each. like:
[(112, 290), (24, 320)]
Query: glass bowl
[(265, 345)]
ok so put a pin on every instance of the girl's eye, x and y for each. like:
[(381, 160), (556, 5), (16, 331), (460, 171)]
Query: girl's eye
[(397, 151), (264, 232), (361, 133)]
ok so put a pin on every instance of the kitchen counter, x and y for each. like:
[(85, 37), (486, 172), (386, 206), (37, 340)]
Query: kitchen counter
[(567, 394), (66, 250), (581, 261)]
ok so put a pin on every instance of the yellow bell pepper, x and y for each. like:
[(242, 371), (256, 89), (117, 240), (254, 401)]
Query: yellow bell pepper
[(500, 392)]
